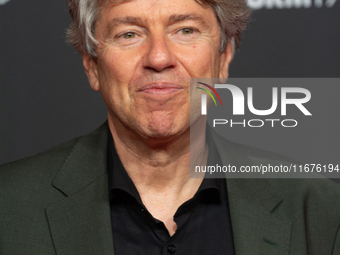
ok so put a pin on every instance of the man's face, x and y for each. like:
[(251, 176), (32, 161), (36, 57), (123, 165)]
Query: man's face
[(148, 51)]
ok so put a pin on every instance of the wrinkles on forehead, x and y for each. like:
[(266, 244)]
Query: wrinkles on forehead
[(105, 3), (131, 20), (109, 3)]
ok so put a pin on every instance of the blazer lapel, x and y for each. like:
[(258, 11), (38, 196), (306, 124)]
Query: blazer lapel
[(256, 230), (81, 223)]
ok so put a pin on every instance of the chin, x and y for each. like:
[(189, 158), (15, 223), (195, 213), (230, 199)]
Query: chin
[(162, 130)]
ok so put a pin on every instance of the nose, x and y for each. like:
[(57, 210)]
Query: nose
[(159, 55)]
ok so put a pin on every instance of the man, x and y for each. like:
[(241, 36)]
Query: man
[(126, 188)]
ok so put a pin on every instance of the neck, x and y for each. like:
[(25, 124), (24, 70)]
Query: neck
[(160, 165), (160, 169)]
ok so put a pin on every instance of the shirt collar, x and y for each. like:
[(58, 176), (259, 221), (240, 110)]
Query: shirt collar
[(118, 177), (120, 180)]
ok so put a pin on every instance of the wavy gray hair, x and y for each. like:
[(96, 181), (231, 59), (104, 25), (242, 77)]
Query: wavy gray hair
[(232, 16)]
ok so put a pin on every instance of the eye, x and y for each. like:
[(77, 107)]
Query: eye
[(129, 35), (128, 38), (188, 31)]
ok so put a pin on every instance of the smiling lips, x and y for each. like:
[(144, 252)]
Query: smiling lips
[(160, 88)]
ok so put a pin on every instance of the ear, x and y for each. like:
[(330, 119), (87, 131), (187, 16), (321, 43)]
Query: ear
[(225, 60), (91, 70)]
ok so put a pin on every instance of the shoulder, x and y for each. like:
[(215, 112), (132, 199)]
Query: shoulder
[(27, 182), (316, 195), (308, 192), (313, 208), (30, 167), (36, 172)]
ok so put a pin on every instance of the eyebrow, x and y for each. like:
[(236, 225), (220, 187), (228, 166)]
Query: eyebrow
[(184, 17), (131, 20), (126, 20)]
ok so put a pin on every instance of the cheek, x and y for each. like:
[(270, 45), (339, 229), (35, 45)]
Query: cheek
[(112, 83), (199, 61), (117, 69), (120, 66)]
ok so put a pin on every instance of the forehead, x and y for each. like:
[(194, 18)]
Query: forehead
[(156, 9), (106, 3)]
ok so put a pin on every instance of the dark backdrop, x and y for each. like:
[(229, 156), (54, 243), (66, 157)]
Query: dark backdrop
[(45, 98)]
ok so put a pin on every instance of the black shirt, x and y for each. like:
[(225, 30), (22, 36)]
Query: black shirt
[(203, 222)]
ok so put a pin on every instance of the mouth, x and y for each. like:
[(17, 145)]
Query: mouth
[(160, 88)]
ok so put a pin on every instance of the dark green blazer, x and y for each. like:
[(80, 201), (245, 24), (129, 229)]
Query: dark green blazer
[(57, 202)]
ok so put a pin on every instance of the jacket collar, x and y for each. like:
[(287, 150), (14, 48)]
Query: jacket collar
[(81, 223), (89, 153), (256, 229)]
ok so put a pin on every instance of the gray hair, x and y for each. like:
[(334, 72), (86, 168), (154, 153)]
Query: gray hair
[(232, 16)]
